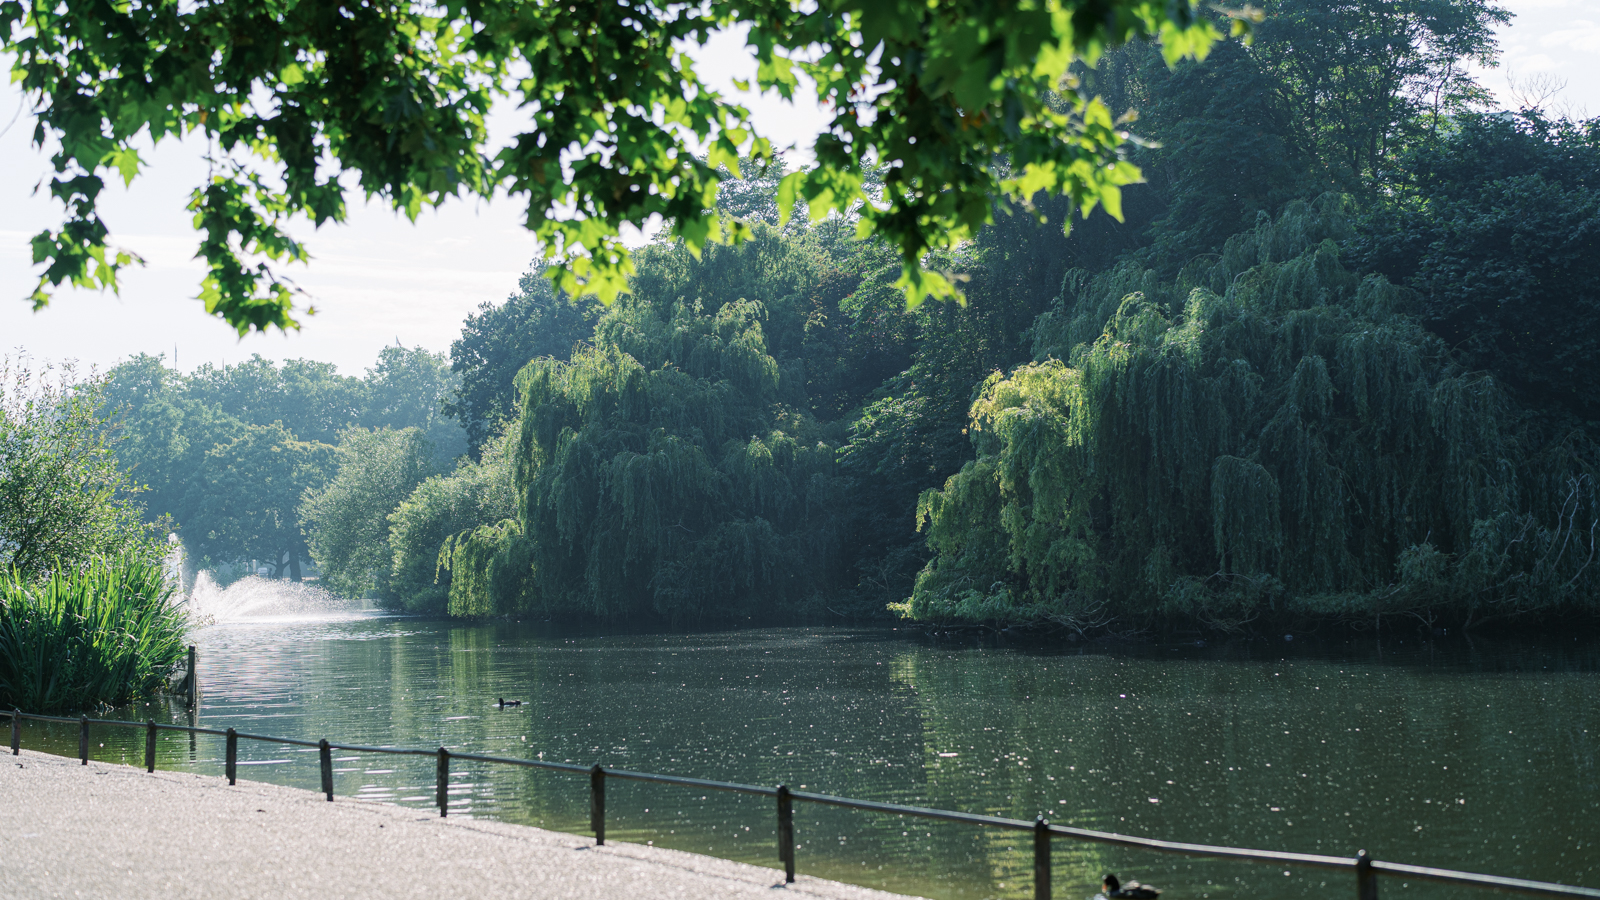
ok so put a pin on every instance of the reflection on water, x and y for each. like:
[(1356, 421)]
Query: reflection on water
[(1477, 758)]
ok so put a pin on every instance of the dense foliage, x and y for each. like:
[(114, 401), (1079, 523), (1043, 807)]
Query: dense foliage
[(229, 452), (497, 341), (86, 611), (479, 492), (1269, 433), (105, 631), (394, 96), (1498, 230), (244, 497), (1334, 359), (63, 499), (346, 522), (672, 467)]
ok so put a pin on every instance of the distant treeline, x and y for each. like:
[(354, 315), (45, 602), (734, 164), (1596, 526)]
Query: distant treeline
[(233, 453), (1337, 360)]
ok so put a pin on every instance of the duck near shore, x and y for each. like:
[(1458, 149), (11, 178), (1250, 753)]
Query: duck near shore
[(1133, 890)]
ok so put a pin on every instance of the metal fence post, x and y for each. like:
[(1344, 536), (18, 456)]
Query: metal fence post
[(597, 804), (786, 833), (16, 731), (1366, 879), (327, 768), (150, 745), (1041, 858), (230, 764), (443, 776), (83, 740)]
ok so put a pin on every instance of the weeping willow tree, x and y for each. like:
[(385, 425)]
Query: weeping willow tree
[(658, 475), (1268, 434)]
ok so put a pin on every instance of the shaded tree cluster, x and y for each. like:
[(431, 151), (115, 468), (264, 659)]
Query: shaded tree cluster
[(1269, 434), (230, 452)]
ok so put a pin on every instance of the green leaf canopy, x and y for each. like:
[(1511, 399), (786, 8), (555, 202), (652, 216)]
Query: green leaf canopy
[(304, 100)]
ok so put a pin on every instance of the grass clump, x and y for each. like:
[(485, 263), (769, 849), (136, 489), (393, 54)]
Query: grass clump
[(105, 632)]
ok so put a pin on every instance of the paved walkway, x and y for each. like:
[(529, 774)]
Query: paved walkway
[(107, 830)]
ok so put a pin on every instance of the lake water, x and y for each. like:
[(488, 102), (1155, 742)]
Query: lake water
[(1479, 756)]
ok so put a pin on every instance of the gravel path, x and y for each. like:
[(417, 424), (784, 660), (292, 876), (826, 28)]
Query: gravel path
[(107, 830)]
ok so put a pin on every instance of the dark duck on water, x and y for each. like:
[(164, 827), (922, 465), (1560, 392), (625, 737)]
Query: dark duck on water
[(1116, 890), (505, 703)]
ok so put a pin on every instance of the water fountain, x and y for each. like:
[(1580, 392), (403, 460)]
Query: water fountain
[(257, 598), (253, 597)]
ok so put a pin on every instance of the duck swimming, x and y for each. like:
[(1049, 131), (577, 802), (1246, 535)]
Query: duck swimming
[(1116, 890), (505, 703)]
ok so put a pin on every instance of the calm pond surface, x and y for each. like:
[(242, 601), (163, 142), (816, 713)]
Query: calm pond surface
[(1473, 756)]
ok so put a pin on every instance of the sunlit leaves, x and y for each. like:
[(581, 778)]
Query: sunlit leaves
[(307, 99), (935, 95)]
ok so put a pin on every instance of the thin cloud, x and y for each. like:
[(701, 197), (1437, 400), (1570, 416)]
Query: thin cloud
[(1582, 35)]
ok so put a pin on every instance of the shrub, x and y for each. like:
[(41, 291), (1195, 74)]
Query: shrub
[(63, 499), (105, 632)]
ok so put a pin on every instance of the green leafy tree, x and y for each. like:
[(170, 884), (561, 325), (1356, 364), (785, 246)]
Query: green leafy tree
[(392, 98), (408, 388), (655, 479), (170, 422), (1365, 80), (1499, 234), (1225, 151), (752, 195), (497, 341), (1269, 435), (346, 521), (164, 434), (244, 497), (913, 435), (63, 498), (311, 399), (479, 493), (1327, 96)]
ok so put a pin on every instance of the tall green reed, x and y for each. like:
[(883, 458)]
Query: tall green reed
[(104, 633)]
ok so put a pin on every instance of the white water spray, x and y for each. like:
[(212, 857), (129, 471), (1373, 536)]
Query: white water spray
[(265, 598), (250, 598)]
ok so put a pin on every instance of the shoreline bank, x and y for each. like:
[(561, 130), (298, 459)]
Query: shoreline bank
[(112, 830)]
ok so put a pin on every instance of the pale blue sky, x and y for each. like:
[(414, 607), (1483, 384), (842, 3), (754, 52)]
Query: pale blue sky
[(378, 279)]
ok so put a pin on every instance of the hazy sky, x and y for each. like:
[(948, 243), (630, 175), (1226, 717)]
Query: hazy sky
[(378, 278)]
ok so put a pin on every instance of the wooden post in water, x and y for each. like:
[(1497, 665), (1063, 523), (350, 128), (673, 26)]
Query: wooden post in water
[(193, 698), (83, 740), (786, 833), (443, 776), (230, 764), (597, 804), (1041, 859), (1366, 879), (150, 745), (327, 768), (16, 731)]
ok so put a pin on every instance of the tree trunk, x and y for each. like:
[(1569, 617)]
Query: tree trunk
[(294, 566)]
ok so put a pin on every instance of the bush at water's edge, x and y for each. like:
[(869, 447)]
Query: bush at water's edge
[(107, 632)]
